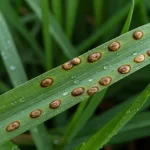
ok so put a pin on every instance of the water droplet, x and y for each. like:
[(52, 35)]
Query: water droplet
[(117, 54), (22, 99), (56, 141), (121, 123), (65, 93), (128, 112), (90, 80), (8, 42), (15, 147), (12, 68), (134, 54), (73, 77), (14, 103), (105, 67), (76, 82), (141, 42)]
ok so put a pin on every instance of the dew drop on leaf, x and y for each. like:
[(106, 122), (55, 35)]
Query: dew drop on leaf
[(65, 93), (73, 77), (12, 68), (105, 67), (76, 82), (15, 147), (134, 54), (128, 112), (90, 80)]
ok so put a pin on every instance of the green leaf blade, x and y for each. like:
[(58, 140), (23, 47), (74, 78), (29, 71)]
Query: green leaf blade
[(103, 135), (8, 51), (46, 36), (129, 18), (31, 95)]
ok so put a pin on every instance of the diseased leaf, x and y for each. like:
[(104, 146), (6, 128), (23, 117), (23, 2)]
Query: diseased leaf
[(66, 88)]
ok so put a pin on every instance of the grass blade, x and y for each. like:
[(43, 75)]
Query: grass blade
[(71, 13), (44, 142), (13, 65), (98, 6), (8, 51), (35, 96), (101, 120), (46, 36), (103, 135), (55, 30), (68, 136), (129, 19), (81, 117), (14, 19), (57, 10), (143, 12)]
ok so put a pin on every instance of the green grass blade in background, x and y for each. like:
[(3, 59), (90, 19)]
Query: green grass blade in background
[(36, 97), (14, 67), (101, 120), (9, 54), (55, 30), (9, 146), (98, 140), (46, 36), (74, 121), (71, 14), (57, 10), (98, 6), (80, 119), (115, 19), (42, 143), (129, 19), (14, 19), (143, 10)]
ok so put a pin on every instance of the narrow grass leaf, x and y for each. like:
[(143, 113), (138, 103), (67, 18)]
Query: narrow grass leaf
[(44, 142), (14, 65), (129, 19), (115, 19), (101, 120), (98, 6), (46, 36), (71, 14), (98, 140), (55, 30), (9, 54), (74, 121), (57, 10), (69, 87), (14, 19), (80, 119), (143, 10)]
